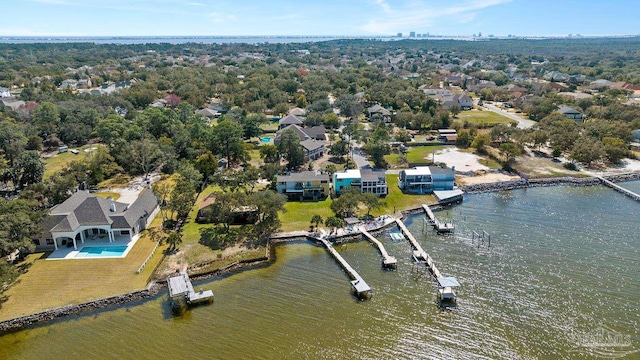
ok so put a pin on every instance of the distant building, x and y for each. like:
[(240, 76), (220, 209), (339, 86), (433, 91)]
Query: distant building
[(399, 35), (425, 179), (365, 180), (412, 34), (571, 113)]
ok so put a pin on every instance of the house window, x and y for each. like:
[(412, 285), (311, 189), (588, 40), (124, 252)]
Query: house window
[(49, 241), (124, 232), (36, 242)]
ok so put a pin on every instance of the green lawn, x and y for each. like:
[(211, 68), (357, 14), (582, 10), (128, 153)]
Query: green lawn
[(59, 161), (50, 284), (270, 126), (415, 154), (298, 214), (483, 117)]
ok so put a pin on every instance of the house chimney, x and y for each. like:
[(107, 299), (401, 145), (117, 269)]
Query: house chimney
[(112, 207)]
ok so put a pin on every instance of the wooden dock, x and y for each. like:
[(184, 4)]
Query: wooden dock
[(445, 284), (619, 189), (437, 225), (181, 290), (388, 262), (363, 291), (419, 254)]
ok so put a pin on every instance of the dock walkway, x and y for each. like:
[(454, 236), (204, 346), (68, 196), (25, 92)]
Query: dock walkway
[(359, 285), (440, 227), (388, 262), (619, 189), (419, 253)]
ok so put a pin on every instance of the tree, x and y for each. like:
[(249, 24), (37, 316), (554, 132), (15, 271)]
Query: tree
[(377, 150), (227, 138), (540, 138), (145, 155), (402, 135), (331, 121), (269, 153), (455, 110), (101, 165), (301, 101), (372, 202), (340, 148), (19, 223), (480, 141), (509, 151), (206, 164), (587, 151), (268, 204), (316, 220), (291, 149), (615, 149), (29, 168), (182, 197), (334, 222), (345, 205), (46, 118), (174, 239)]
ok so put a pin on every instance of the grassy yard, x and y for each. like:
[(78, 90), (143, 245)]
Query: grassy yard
[(483, 117), (52, 284), (58, 161), (270, 126), (415, 154)]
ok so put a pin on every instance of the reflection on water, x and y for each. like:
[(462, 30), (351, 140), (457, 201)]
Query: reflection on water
[(563, 261)]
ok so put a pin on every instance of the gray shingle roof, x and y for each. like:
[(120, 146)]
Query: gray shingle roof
[(303, 176), (312, 144), (291, 119), (85, 209)]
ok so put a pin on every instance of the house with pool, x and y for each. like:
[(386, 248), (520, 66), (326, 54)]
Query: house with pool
[(85, 220)]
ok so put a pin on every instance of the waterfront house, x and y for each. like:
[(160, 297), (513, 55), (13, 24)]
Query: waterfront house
[(306, 185), (365, 180), (314, 133), (425, 179), (85, 217)]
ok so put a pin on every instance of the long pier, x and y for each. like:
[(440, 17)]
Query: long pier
[(359, 285), (619, 189), (388, 262), (440, 227), (419, 253)]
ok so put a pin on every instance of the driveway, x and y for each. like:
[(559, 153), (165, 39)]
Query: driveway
[(522, 123)]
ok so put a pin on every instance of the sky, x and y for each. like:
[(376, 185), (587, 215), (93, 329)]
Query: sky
[(318, 17)]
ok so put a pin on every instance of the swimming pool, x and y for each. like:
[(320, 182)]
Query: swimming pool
[(265, 139), (101, 251)]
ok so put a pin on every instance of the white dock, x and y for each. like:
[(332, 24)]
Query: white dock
[(180, 288), (419, 253), (363, 291), (440, 227), (619, 189), (388, 262)]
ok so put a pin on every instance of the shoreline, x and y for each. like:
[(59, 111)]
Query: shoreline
[(153, 288)]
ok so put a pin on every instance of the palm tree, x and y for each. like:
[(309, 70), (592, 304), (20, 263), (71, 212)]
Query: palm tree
[(316, 220), (174, 239), (334, 222)]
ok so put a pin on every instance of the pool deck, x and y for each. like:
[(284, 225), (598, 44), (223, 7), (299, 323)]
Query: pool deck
[(70, 253)]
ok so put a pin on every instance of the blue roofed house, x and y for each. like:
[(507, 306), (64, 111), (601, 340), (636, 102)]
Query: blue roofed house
[(365, 180), (86, 218), (426, 179), (306, 185)]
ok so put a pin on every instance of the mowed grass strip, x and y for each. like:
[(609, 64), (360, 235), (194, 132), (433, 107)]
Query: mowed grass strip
[(483, 117), (50, 284)]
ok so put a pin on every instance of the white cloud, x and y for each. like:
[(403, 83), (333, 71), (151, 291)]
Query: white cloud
[(420, 14)]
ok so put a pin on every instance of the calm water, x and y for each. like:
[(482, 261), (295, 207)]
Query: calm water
[(564, 263)]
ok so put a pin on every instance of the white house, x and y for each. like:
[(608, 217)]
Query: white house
[(85, 217)]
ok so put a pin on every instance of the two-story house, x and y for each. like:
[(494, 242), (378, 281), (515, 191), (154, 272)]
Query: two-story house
[(365, 180), (306, 185), (425, 179)]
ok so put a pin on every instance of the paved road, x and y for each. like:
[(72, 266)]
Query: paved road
[(522, 123)]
